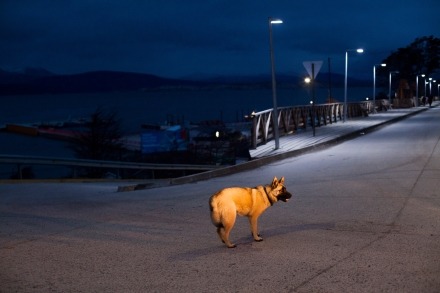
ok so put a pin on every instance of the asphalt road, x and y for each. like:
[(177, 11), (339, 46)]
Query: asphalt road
[(365, 217)]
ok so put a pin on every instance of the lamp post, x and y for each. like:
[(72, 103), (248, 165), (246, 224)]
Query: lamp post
[(274, 90), (374, 85), (417, 89), (345, 80), (389, 86), (430, 86), (424, 92)]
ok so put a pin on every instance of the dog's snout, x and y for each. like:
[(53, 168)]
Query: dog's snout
[(284, 196)]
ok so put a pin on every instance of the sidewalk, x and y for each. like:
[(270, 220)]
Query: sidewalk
[(304, 141), (330, 132)]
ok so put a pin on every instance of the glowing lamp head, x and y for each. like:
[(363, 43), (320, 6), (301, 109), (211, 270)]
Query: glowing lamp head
[(276, 21)]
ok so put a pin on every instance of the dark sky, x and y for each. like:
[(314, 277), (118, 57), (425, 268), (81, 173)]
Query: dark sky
[(179, 38)]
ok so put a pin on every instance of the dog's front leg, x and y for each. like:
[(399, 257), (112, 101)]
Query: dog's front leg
[(254, 228)]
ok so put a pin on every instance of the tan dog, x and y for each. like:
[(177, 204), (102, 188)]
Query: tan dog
[(245, 201)]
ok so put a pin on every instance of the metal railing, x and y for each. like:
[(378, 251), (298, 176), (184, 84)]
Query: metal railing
[(22, 161), (291, 119)]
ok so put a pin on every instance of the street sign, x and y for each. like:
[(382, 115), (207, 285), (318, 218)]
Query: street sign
[(308, 67)]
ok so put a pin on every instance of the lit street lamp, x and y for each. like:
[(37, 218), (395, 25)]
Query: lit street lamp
[(311, 80), (417, 89), (424, 93), (389, 87), (307, 81), (430, 86), (274, 91), (345, 81), (374, 85)]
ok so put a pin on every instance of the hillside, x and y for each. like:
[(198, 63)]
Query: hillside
[(41, 81), (32, 82)]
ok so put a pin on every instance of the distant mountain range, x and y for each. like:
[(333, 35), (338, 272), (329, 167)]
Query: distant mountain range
[(41, 81)]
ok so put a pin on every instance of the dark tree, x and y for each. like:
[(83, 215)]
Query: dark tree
[(101, 139), (420, 57)]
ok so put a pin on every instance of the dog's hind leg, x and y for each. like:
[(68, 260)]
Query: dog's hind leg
[(254, 228), (225, 230)]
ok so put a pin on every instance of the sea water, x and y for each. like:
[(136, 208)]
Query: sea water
[(155, 107)]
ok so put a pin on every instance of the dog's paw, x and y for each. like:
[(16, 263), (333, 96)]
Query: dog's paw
[(232, 246), (257, 238)]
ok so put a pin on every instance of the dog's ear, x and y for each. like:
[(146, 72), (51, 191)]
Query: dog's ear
[(281, 181), (274, 182)]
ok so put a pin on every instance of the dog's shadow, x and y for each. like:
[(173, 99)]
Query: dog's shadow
[(283, 230), (247, 241)]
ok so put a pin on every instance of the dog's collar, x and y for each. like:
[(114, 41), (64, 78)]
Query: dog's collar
[(268, 196)]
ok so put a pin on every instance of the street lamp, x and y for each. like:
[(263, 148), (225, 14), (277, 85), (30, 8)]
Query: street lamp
[(424, 93), (389, 87), (374, 85), (308, 80), (345, 81), (274, 91), (430, 86), (417, 89)]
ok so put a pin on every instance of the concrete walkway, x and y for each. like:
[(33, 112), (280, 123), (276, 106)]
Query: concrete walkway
[(331, 132)]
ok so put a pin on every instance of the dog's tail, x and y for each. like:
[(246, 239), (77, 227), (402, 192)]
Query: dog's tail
[(215, 214)]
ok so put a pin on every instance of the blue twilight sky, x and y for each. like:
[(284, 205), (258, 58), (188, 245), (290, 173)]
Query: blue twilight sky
[(181, 38)]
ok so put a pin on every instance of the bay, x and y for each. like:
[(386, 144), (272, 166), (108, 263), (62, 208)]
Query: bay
[(158, 107)]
